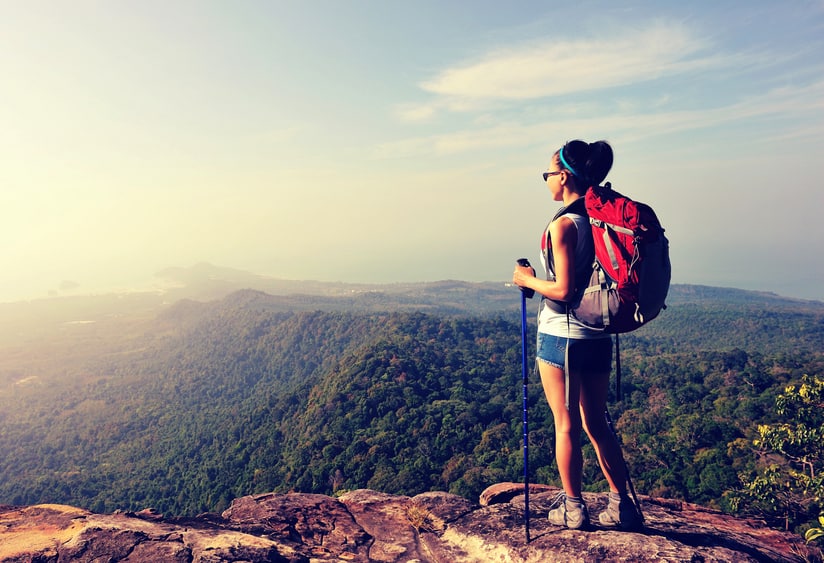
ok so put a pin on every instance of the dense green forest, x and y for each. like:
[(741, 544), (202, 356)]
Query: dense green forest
[(205, 402)]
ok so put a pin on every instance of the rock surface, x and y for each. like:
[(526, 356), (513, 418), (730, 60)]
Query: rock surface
[(370, 526)]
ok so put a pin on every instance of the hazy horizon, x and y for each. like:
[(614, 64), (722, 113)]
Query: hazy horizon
[(387, 142), (161, 284)]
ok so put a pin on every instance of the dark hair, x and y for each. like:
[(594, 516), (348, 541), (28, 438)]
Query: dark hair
[(589, 163)]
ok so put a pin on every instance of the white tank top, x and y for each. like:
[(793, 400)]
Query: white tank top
[(560, 324)]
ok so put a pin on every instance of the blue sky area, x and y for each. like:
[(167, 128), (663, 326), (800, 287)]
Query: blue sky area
[(389, 141)]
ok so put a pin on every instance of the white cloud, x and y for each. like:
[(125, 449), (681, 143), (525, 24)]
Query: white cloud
[(554, 67), (415, 113), (631, 123)]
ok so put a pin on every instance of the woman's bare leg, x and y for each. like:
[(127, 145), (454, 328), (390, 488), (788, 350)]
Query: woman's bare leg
[(568, 425), (593, 401)]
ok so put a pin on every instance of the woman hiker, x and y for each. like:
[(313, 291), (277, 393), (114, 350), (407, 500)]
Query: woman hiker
[(568, 255)]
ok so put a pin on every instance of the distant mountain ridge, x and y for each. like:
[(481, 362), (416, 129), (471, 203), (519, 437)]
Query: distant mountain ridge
[(207, 278), (205, 282)]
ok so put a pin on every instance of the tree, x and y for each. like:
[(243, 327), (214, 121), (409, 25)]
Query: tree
[(790, 482)]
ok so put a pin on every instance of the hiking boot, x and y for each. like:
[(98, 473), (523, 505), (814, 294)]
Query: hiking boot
[(621, 513), (570, 512)]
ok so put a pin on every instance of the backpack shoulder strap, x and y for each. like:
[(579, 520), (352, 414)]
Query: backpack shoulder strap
[(577, 207)]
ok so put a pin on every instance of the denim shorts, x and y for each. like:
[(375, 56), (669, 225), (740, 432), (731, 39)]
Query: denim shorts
[(589, 355)]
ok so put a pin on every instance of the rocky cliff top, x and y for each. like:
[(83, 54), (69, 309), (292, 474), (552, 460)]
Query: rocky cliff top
[(366, 526)]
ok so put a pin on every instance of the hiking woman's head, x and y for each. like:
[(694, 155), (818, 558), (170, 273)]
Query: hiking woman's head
[(578, 165)]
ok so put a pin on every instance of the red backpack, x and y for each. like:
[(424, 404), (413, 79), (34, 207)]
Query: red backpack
[(631, 274)]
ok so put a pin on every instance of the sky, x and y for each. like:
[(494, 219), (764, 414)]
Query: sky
[(400, 141)]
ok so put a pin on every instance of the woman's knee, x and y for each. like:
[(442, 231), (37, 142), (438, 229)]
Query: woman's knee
[(597, 430), (566, 420)]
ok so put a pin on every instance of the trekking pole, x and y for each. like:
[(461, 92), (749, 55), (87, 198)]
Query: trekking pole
[(525, 293), (626, 467)]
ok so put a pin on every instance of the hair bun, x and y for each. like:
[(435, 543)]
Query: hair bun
[(589, 162)]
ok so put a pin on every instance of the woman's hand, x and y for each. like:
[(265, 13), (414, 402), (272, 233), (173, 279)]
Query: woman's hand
[(523, 276)]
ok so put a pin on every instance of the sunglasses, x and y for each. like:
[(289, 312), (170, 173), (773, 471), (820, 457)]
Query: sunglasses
[(548, 174)]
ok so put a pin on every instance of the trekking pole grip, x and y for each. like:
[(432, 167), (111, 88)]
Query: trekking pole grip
[(524, 263)]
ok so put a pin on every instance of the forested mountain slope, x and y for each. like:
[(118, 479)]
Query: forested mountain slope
[(206, 402)]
